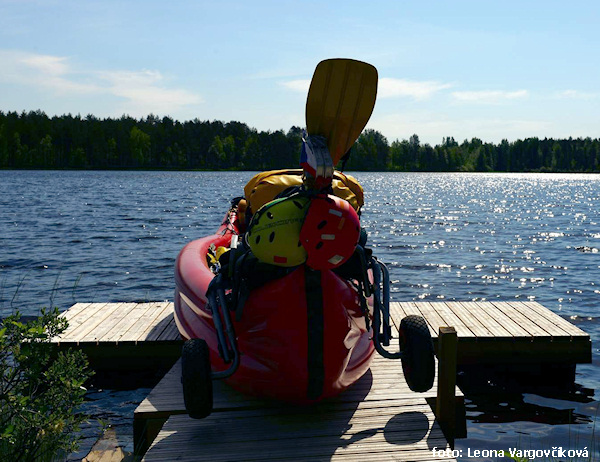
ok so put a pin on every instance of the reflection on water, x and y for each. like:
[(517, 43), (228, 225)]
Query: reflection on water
[(114, 236), (528, 417)]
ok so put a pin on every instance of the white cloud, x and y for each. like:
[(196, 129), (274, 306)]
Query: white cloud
[(299, 85), (144, 92), (576, 94), (391, 88), (51, 65), (489, 96), (387, 87), (140, 92), (50, 73)]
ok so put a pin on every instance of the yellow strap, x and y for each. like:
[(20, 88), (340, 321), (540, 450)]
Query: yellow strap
[(340, 102), (220, 251)]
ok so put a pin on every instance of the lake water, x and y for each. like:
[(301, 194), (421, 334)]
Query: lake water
[(69, 236)]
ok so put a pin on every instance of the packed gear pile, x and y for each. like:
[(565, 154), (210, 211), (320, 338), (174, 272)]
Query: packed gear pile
[(286, 300), (294, 225)]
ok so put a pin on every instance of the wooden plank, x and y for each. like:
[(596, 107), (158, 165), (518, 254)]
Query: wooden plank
[(432, 316), (291, 425), (465, 315), (380, 456), (522, 321), (328, 448), (136, 330), (69, 314), (480, 312), (158, 325), (76, 318), (165, 404), (326, 409), (114, 335), (97, 318), (397, 313), (165, 330), (451, 319), (78, 325), (544, 315), (74, 310), (171, 332), (294, 450), (407, 431), (161, 406), (107, 324), (504, 320), (556, 319), (103, 316), (552, 330)]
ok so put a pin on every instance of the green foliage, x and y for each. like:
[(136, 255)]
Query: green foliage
[(40, 390), (33, 140), (370, 152), (139, 146)]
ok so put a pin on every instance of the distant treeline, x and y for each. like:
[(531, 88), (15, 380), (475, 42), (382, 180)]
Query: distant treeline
[(34, 140)]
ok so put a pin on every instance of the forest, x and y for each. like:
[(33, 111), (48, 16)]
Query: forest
[(32, 140)]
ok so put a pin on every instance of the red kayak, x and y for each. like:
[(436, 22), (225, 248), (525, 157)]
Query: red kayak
[(294, 334), (302, 337), (295, 309)]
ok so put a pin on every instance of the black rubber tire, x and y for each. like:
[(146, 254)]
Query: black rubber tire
[(418, 362), (195, 378)]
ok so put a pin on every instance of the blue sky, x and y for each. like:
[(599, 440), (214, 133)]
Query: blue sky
[(493, 70)]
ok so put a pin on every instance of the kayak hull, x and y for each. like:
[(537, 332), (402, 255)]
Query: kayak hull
[(302, 337)]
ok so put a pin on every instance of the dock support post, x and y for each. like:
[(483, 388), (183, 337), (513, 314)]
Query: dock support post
[(145, 431), (445, 406)]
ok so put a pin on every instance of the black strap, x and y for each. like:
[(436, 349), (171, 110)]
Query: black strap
[(345, 160), (315, 334), (242, 297), (363, 305)]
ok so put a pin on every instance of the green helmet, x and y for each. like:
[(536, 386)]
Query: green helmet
[(274, 231)]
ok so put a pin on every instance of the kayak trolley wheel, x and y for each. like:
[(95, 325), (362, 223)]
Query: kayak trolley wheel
[(196, 379), (416, 346)]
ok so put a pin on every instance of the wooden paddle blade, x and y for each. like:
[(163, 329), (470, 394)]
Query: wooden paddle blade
[(340, 102)]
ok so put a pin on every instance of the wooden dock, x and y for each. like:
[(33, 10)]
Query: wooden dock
[(503, 332), (123, 335), (488, 332), (378, 418)]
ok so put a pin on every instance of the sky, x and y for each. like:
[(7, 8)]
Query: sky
[(487, 69)]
